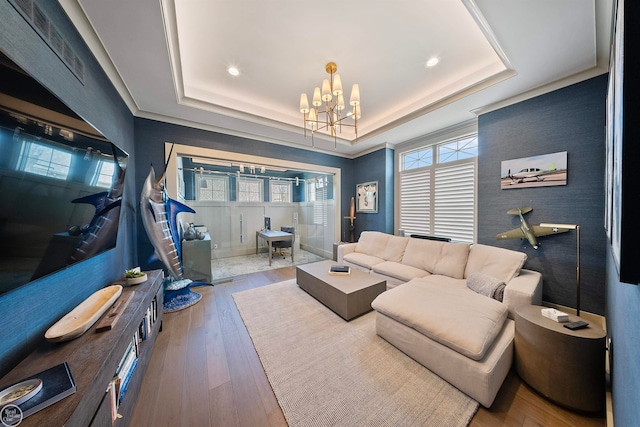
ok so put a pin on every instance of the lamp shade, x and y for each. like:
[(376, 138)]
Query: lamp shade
[(355, 95), (304, 104), (326, 90), (317, 99), (312, 118), (340, 104), (356, 112), (337, 85)]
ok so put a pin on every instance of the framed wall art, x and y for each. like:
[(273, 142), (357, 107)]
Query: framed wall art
[(367, 197), (622, 190), (536, 171)]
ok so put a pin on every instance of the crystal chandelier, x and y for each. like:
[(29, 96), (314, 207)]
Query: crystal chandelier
[(330, 118)]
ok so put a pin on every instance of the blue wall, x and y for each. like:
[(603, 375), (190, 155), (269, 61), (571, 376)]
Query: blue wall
[(623, 321), (570, 119), (27, 312), (375, 166)]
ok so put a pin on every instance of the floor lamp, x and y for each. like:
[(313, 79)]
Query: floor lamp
[(577, 228)]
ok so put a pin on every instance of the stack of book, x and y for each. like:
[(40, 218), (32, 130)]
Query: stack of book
[(553, 314), (120, 382), (57, 383), (340, 270)]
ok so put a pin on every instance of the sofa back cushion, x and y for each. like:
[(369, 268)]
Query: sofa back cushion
[(447, 259), (503, 264), (382, 245)]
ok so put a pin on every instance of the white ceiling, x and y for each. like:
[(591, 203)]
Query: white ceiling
[(168, 59)]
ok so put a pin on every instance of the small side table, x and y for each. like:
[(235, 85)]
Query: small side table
[(196, 259), (567, 367)]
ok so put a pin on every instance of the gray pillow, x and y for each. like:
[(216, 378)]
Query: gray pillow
[(486, 285)]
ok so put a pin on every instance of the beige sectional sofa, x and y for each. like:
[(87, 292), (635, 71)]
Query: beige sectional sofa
[(443, 314)]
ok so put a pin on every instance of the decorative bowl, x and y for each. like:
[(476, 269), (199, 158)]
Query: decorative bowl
[(135, 280)]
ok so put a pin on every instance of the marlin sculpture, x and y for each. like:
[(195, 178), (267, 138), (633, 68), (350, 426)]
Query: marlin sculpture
[(159, 214)]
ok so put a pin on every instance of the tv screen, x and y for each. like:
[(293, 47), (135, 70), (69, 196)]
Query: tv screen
[(61, 183)]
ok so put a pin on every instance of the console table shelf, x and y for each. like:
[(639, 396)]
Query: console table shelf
[(93, 359)]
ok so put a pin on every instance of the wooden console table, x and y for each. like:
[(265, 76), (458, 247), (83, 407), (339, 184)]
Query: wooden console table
[(567, 367), (93, 360), (274, 236)]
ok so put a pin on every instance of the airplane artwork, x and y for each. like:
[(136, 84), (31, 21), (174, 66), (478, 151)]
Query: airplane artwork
[(530, 174), (525, 231)]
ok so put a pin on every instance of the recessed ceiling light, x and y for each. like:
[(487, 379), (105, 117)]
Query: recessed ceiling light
[(233, 71), (433, 61)]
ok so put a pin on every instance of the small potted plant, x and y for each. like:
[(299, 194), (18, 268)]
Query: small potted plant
[(134, 276)]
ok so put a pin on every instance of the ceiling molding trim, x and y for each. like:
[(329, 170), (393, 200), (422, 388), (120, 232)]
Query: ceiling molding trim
[(541, 90), (484, 26), (483, 84), (170, 25), (373, 149), (80, 20), (239, 134), (455, 131), (603, 12), (240, 115)]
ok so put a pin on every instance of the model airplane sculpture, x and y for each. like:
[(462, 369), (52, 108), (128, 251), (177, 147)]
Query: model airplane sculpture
[(525, 231)]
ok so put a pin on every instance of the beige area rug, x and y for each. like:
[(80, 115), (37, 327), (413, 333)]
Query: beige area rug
[(328, 372), (224, 269)]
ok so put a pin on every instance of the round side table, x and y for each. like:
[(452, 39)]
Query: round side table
[(567, 367)]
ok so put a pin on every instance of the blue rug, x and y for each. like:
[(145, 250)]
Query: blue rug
[(179, 299)]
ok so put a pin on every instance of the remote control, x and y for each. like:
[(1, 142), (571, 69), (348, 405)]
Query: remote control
[(576, 325)]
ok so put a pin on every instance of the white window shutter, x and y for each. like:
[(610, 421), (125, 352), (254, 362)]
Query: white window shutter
[(454, 201), (415, 201)]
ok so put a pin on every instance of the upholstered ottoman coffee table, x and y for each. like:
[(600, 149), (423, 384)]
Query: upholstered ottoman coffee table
[(348, 296)]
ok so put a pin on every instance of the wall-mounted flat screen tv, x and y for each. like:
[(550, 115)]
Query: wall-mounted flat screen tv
[(61, 183)]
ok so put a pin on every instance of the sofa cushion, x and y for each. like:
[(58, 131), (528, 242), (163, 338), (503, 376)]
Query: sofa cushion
[(372, 242), (394, 250), (363, 260), (454, 316), (486, 285), (382, 245), (399, 271), (503, 264), (447, 259)]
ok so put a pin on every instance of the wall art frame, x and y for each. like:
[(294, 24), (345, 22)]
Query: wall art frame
[(367, 197), (622, 190), (544, 170)]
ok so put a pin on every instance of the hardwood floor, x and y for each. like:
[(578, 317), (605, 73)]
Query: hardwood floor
[(204, 371)]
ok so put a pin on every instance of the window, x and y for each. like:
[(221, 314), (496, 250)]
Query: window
[(417, 159), (44, 160), (213, 189), (438, 198), (457, 150), (280, 191), (104, 174), (317, 193), (250, 190)]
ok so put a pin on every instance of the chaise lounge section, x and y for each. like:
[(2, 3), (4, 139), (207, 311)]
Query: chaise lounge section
[(443, 307)]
